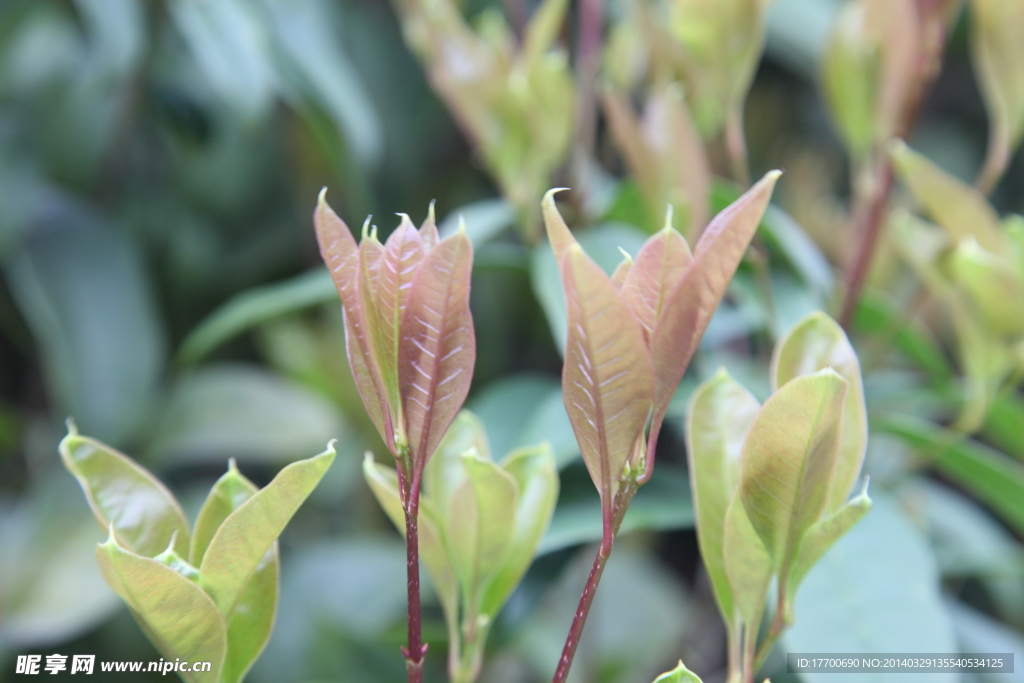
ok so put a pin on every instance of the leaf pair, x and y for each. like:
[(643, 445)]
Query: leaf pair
[(480, 524), (770, 483), (975, 265), (209, 595), (408, 328), (631, 335)]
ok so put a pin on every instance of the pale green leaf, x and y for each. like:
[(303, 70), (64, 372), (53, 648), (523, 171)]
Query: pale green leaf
[(680, 674), (789, 460), (445, 470), (480, 523), (824, 534), (250, 624), (243, 540), (747, 564), (144, 515), (993, 284), (957, 207), (720, 414), (383, 482), (178, 617), (537, 478), (815, 343)]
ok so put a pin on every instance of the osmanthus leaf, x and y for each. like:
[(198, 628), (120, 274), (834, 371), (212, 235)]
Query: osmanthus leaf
[(659, 268), (690, 305), (997, 54), (428, 230), (789, 459), (622, 271), (178, 617), (437, 348), (558, 232), (240, 545), (851, 78), (383, 482), (343, 258), (480, 523), (403, 253), (993, 285), (823, 535), (720, 414), (747, 565), (536, 475), (680, 674), (543, 29), (445, 470), (607, 379), (817, 342), (957, 207), (250, 625), (124, 496)]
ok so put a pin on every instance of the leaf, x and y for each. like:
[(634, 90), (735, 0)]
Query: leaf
[(692, 302), (607, 379), (993, 285), (533, 470), (996, 55), (991, 476), (383, 482), (658, 269), (877, 590), (229, 410), (747, 565), (719, 417), (815, 343), (252, 621), (438, 346), (789, 460), (680, 674), (959, 208), (881, 317), (177, 616), (144, 515), (253, 307), (480, 522), (243, 540), (823, 535)]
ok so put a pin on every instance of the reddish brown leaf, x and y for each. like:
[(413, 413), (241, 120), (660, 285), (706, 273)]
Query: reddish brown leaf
[(558, 232), (608, 379), (659, 267), (437, 347)]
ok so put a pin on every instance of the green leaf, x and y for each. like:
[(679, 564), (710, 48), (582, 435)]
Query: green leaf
[(241, 543), (824, 534), (815, 343), (480, 522), (231, 409), (789, 459), (991, 476), (680, 674), (993, 285), (178, 617), (533, 470), (144, 515), (957, 207), (383, 482), (252, 307), (877, 590), (446, 470), (252, 621), (1002, 427), (720, 414), (747, 565)]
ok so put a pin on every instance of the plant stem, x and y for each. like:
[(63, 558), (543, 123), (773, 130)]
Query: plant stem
[(749, 643), (611, 527), (996, 161), (588, 57), (416, 650), (779, 625)]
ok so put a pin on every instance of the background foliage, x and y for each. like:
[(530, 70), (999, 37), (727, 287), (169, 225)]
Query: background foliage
[(159, 163)]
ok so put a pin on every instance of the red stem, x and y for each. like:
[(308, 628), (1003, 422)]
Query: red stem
[(416, 650), (588, 55), (611, 527)]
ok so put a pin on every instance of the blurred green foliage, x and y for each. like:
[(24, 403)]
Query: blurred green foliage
[(159, 281)]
